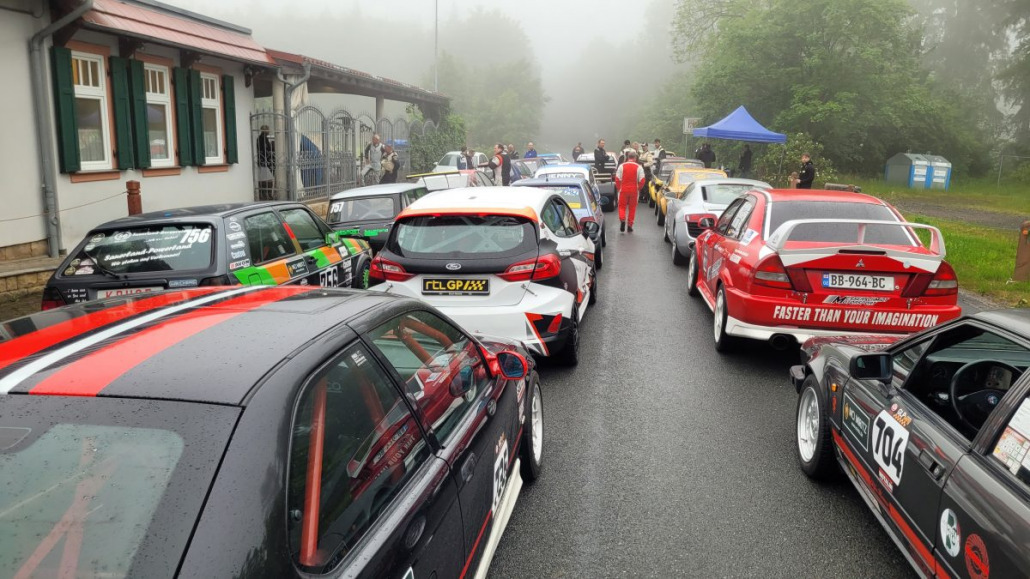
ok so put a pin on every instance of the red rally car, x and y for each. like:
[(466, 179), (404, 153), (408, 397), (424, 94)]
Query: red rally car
[(788, 265)]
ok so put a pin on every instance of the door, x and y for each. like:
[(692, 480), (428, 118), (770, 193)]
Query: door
[(575, 250), (324, 265), (713, 251), (366, 495), (271, 257), (471, 415)]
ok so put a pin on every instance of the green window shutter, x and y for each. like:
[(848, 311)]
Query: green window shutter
[(64, 103), (197, 118), (122, 112), (138, 94), (183, 134), (232, 154)]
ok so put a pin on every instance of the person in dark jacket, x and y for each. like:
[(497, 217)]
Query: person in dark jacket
[(807, 174), (266, 165), (577, 151), (501, 162), (744, 166), (706, 155), (600, 156)]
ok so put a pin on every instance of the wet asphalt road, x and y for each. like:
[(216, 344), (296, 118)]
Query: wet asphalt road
[(663, 458)]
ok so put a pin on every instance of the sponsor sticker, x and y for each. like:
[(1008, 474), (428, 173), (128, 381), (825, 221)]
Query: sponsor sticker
[(84, 270), (500, 471), (69, 270), (951, 534), (237, 244), (97, 238), (234, 226), (89, 247), (239, 264), (885, 481), (297, 268), (856, 422), (749, 236), (237, 254), (1013, 450), (854, 317), (855, 300), (734, 258), (890, 439), (900, 415), (978, 564), (235, 236)]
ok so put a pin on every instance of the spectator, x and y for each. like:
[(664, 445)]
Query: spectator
[(600, 156), (530, 152), (391, 165), (470, 159), (463, 162), (577, 151), (744, 166), (512, 153), (659, 155), (629, 178), (266, 165), (807, 174), (374, 153), (646, 161), (706, 155), (502, 163), (627, 146)]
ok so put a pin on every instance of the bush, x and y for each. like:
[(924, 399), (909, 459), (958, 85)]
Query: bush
[(768, 168), (427, 149)]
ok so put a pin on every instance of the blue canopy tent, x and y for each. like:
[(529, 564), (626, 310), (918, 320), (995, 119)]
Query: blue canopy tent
[(740, 126)]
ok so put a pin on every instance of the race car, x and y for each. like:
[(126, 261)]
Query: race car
[(267, 243), (788, 265), (449, 162), (582, 200), (664, 174), (604, 192), (704, 198), (367, 212), (934, 432), (500, 262), (677, 184), (179, 433), (605, 178)]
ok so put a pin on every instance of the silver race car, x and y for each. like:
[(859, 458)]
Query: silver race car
[(704, 199)]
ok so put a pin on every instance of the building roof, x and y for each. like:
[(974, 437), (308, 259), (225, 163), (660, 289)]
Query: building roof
[(153, 21)]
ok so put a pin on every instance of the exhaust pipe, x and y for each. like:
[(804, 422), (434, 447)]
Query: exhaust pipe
[(781, 341)]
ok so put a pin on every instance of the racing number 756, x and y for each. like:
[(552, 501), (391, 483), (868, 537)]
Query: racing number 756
[(329, 277)]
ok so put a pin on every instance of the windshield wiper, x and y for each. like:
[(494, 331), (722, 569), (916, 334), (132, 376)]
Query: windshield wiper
[(101, 268)]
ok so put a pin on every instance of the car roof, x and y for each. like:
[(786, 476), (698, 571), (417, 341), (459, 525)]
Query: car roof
[(559, 167), (210, 345), (730, 181), (1015, 320), (535, 181), (480, 199), (820, 195), (373, 190), (190, 213)]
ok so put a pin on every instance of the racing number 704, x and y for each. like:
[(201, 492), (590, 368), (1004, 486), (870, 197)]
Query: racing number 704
[(889, 442)]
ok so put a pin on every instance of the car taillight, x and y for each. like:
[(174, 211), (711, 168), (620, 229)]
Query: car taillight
[(771, 273), (945, 282), (52, 298), (545, 267), (386, 270), (695, 217)]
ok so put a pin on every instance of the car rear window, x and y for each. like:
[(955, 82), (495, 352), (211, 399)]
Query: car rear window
[(784, 211), (724, 194), (457, 236), (572, 195), (179, 247), (449, 159), (103, 487), (361, 209)]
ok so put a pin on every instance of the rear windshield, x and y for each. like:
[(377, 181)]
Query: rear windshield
[(458, 236), (444, 181), (179, 247), (362, 209), (724, 194), (449, 159), (103, 487), (838, 232), (572, 195)]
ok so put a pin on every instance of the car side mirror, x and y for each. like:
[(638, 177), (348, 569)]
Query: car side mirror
[(513, 365), (706, 223), (877, 366), (591, 229)]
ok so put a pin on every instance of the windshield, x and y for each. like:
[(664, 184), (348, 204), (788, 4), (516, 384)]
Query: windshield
[(362, 209), (444, 181), (572, 195), (450, 159), (724, 194), (784, 211), (179, 247), (455, 236), (103, 487)]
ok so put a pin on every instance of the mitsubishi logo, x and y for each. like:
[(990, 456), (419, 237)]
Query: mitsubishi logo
[(860, 264)]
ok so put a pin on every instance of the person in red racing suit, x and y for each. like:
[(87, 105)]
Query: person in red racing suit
[(629, 178)]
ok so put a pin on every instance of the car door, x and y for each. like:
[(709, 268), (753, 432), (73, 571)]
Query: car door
[(575, 250), (271, 257), (713, 249), (472, 415), (324, 265)]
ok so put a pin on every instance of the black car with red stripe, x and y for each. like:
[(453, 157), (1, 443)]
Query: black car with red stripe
[(259, 432), (934, 432)]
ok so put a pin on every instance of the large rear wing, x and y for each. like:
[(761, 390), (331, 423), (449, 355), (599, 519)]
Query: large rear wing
[(927, 262)]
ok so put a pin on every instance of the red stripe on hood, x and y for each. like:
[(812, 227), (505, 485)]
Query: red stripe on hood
[(91, 374), (14, 350)]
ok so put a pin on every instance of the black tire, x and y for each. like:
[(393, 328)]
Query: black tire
[(604, 238), (532, 462), (723, 341), (599, 256), (692, 270), (661, 218), (361, 279), (650, 202), (812, 400), (665, 235), (569, 354), (593, 291)]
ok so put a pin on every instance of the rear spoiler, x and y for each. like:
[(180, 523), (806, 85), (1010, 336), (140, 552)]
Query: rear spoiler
[(779, 238), (418, 175)]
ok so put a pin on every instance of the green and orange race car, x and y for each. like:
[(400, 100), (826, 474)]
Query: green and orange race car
[(268, 243)]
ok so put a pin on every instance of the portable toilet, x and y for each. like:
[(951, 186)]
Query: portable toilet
[(940, 172), (909, 169)]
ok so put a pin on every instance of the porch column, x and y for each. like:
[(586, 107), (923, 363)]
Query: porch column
[(380, 105), (281, 139)]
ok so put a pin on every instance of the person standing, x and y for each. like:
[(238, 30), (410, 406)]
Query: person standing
[(501, 162), (530, 151), (744, 166), (627, 146), (659, 155), (647, 162), (600, 157), (512, 153), (470, 157), (706, 155), (463, 159), (807, 174), (373, 160), (391, 165), (266, 165), (629, 178), (577, 151)]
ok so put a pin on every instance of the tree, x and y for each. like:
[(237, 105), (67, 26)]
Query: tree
[(1015, 76)]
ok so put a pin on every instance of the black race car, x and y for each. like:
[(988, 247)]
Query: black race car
[(271, 243), (368, 212), (934, 431), (259, 432)]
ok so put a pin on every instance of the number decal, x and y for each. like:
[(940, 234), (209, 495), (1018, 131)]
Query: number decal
[(329, 277), (890, 439), (195, 235), (500, 472)]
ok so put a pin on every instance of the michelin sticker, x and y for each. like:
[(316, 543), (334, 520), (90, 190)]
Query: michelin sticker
[(890, 439), (951, 534)]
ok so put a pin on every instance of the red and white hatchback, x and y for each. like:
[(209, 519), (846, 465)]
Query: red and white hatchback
[(788, 265)]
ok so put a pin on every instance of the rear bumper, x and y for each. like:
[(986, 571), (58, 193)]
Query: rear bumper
[(760, 318)]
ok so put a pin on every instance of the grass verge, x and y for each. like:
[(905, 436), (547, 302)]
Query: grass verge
[(980, 194)]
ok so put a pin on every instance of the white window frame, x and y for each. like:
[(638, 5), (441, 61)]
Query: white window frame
[(216, 104), (164, 99), (98, 93)]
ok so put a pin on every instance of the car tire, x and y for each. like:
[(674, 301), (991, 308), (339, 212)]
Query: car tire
[(661, 218), (533, 435), (361, 276), (692, 267), (599, 256), (812, 438), (650, 202), (593, 290), (604, 238), (665, 235), (723, 341), (569, 354)]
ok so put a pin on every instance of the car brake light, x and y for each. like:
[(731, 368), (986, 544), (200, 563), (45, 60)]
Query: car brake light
[(52, 298), (771, 273), (545, 267), (945, 282), (386, 270)]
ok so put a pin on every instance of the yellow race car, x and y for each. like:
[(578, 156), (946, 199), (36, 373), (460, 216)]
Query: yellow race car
[(681, 177), (665, 173)]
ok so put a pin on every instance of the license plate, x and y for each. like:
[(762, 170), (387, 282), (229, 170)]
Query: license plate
[(455, 287), (879, 283), (125, 291)]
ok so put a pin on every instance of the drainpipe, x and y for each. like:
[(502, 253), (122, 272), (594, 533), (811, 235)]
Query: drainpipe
[(45, 126), (291, 176)]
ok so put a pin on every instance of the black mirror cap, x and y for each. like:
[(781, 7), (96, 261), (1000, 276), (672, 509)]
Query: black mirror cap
[(878, 366), (706, 223), (513, 365)]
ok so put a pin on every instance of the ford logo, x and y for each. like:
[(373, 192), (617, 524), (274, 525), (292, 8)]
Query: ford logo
[(453, 266)]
